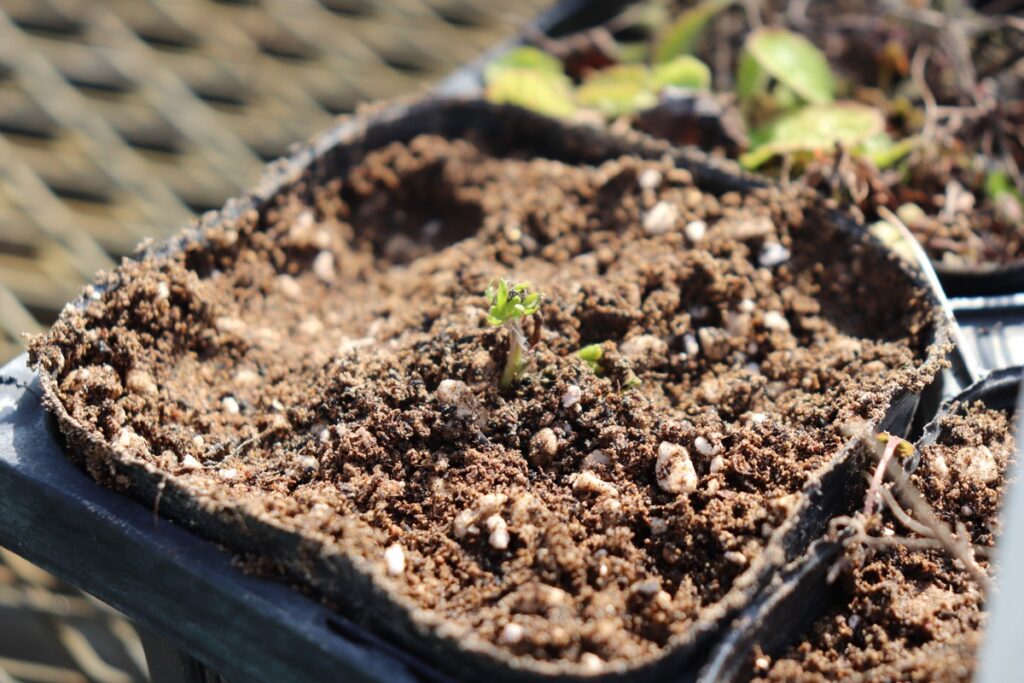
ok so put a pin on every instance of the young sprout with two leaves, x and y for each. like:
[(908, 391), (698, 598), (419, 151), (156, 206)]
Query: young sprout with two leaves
[(510, 304)]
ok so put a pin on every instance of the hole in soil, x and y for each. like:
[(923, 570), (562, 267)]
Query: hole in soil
[(422, 215), (871, 303)]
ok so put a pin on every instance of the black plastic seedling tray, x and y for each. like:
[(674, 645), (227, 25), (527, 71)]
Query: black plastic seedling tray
[(235, 624)]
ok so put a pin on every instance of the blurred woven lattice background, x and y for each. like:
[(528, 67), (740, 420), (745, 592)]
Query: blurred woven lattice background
[(120, 120)]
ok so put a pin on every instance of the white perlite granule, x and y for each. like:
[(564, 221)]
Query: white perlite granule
[(674, 470), (661, 218), (394, 559), (571, 396)]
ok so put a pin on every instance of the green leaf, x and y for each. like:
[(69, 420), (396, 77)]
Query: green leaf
[(510, 302), (541, 91), (682, 36), (682, 72), (790, 59), (617, 90), (815, 128), (525, 57)]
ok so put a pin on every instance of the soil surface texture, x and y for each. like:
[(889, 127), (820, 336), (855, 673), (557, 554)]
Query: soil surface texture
[(329, 365), (915, 615)]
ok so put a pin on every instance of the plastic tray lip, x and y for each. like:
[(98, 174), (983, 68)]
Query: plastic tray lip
[(286, 172)]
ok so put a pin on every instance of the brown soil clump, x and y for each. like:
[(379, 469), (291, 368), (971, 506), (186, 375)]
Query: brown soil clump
[(913, 614), (329, 365)]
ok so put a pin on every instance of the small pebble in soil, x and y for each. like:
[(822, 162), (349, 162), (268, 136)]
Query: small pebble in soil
[(978, 464), (543, 446), (323, 266), (590, 662), (511, 634), (311, 326), (247, 378), (773, 320), (190, 464), (704, 447), (231, 406), (304, 221), (229, 474), (674, 470), (714, 342), (227, 324), (198, 441), (486, 506), (690, 345), (735, 557), (458, 395), (571, 396), (649, 179), (288, 287), (661, 218), (773, 254), (717, 464), (499, 537), (695, 230), (394, 559), (127, 438), (588, 482), (141, 382), (658, 526), (163, 291)]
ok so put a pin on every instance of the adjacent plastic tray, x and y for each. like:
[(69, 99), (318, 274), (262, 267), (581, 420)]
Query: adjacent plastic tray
[(346, 580), (802, 592)]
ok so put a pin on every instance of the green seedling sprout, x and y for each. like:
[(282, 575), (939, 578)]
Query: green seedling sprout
[(510, 304), (591, 355)]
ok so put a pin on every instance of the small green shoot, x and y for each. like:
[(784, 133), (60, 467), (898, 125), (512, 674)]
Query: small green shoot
[(510, 304), (591, 355)]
